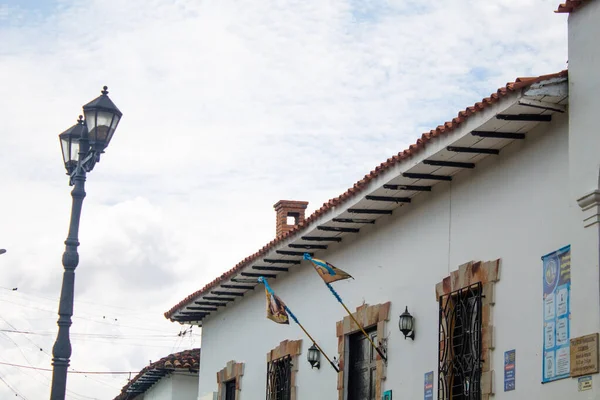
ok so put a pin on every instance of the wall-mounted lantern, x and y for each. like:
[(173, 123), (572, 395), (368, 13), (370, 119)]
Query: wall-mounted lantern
[(314, 356), (407, 324)]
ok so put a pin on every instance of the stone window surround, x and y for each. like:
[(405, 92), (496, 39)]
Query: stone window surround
[(291, 348), (368, 316), (231, 371), (488, 273)]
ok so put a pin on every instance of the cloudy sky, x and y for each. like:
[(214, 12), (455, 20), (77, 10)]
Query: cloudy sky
[(228, 107)]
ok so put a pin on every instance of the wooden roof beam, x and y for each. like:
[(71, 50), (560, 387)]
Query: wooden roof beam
[(337, 229), (269, 268), (452, 164), (525, 117), (388, 199), (432, 177), (473, 150), (498, 135), (415, 188)]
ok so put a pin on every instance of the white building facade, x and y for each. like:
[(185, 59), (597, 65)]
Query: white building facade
[(454, 229)]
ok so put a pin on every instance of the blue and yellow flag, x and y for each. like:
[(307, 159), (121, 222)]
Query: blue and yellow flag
[(328, 272), (276, 309)]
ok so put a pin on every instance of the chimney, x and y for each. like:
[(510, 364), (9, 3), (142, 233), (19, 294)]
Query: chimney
[(290, 214)]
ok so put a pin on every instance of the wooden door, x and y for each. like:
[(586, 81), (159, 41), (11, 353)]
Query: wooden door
[(362, 367), (230, 390)]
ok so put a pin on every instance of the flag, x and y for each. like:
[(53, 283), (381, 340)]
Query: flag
[(276, 308), (328, 272)]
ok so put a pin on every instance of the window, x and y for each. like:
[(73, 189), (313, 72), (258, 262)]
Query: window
[(460, 360), (279, 379), (230, 390)]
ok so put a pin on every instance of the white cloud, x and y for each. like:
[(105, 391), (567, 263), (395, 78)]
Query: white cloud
[(228, 107)]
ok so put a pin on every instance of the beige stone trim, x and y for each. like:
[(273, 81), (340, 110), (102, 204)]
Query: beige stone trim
[(368, 316), (291, 348), (487, 273), (231, 371)]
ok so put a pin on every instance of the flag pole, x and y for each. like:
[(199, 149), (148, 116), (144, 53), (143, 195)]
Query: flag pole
[(291, 314), (339, 299), (311, 338)]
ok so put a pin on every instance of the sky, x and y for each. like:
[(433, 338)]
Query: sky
[(228, 106)]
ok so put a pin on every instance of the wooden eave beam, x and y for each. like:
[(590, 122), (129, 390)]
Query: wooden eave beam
[(308, 246), (273, 261), (414, 188), (354, 220), (242, 280), (525, 117), (369, 211), (188, 319), (431, 177), (269, 268), (293, 253), (452, 164), (210, 303), (498, 135), (337, 229), (320, 239), (241, 287), (472, 150), (218, 298), (202, 308), (543, 105), (193, 314), (252, 274), (389, 199), (219, 293)]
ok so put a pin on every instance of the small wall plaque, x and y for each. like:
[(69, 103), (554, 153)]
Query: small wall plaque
[(585, 383), (584, 355)]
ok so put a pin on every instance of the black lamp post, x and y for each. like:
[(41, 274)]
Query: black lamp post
[(81, 147)]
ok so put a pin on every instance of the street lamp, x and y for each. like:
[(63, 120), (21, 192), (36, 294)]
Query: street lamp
[(81, 147)]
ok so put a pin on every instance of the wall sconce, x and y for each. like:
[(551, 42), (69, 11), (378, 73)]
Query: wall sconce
[(314, 357), (407, 324)]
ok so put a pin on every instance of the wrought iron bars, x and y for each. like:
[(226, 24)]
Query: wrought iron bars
[(279, 379), (460, 361)]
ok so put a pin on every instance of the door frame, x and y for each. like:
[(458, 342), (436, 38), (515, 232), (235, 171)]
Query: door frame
[(368, 316)]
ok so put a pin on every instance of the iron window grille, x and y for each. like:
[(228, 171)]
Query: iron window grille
[(279, 379), (460, 361)]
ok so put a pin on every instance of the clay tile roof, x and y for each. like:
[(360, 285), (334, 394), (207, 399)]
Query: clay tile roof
[(188, 360), (359, 186), (570, 6)]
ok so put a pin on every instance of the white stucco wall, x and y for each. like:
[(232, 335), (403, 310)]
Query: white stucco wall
[(515, 206), (162, 390), (178, 386), (584, 87)]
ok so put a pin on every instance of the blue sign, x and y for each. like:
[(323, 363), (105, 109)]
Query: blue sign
[(428, 387), (510, 362), (556, 362)]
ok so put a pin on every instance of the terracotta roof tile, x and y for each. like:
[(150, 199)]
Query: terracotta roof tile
[(186, 360), (413, 149), (569, 6)]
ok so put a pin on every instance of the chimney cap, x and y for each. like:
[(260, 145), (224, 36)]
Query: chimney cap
[(290, 204)]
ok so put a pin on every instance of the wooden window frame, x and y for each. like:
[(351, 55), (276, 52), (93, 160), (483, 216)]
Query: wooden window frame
[(232, 371)]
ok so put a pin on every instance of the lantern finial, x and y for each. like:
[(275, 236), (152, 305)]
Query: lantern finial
[(104, 90)]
